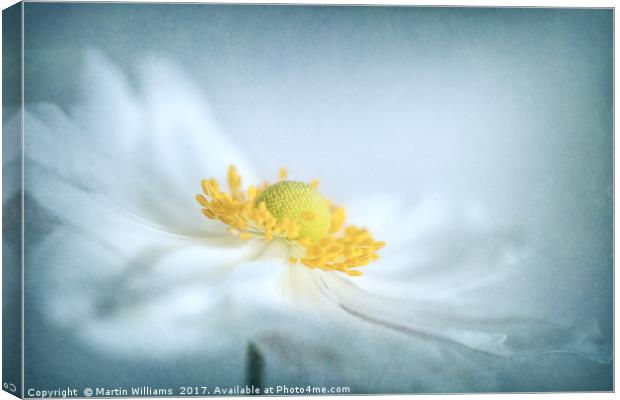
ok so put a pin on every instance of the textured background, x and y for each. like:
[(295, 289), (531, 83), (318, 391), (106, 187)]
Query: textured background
[(505, 113)]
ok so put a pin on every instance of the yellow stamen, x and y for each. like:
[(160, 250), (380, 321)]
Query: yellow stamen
[(338, 216), (282, 174), (251, 193), (295, 212), (234, 180)]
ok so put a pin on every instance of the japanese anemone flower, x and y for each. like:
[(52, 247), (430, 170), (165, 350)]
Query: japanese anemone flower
[(125, 263)]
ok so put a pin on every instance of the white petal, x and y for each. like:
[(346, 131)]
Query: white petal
[(146, 152), (162, 299), (436, 250), (108, 111), (495, 331), (181, 129), (182, 144), (273, 284)]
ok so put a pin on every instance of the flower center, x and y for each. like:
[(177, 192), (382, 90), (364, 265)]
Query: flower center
[(294, 211), (302, 204)]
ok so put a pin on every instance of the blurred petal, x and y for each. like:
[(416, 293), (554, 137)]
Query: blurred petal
[(441, 275), (270, 283), (108, 111), (147, 151), (154, 299), (455, 323)]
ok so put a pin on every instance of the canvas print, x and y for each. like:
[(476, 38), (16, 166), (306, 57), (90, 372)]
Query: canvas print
[(210, 200)]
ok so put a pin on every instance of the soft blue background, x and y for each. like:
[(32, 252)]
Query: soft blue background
[(510, 108)]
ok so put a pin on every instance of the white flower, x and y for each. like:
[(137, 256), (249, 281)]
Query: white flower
[(125, 262)]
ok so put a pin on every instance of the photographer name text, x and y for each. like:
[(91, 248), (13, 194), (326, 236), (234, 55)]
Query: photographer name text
[(150, 391)]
